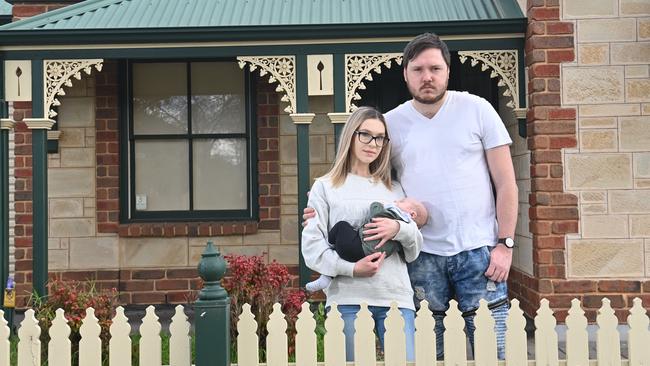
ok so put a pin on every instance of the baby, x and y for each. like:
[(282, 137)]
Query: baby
[(350, 245)]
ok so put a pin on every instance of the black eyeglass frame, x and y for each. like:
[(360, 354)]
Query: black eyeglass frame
[(384, 139)]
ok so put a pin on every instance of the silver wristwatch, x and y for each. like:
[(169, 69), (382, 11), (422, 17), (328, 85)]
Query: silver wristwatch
[(508, 242)]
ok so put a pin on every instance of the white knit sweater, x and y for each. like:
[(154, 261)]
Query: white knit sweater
[(351, 202)]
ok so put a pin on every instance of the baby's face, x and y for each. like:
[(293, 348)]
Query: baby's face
[(406, 205)]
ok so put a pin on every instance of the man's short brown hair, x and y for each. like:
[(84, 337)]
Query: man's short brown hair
[(422, 43)]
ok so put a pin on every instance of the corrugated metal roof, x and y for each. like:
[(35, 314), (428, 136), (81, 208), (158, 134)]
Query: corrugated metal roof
[(5, 8), (121, 14)]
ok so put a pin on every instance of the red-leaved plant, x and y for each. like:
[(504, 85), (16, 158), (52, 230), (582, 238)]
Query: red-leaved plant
[(74, 298), (251, 280)]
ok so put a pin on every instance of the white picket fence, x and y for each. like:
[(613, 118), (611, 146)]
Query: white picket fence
[(90, 349), (546, 339)]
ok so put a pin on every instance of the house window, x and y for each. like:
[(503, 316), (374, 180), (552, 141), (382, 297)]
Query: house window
[(190, 142)]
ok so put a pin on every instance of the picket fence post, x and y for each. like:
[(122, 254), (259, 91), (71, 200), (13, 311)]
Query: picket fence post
[(248, 353), (608, 341), (516, 340), (577, 340), (638, 336), (546, 352), (394, 337), (425, 336), (364, 337), (150, 342), (334, 339), (90, 346), (485, 341), (119, 347), (29, 342), (277, 345), (306, 337), (180, 353), (454, 336), (59, 348)]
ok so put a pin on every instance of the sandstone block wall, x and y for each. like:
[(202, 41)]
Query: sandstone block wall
[(609, 169)]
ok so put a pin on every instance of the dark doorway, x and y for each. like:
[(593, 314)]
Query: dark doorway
[(388, 89)]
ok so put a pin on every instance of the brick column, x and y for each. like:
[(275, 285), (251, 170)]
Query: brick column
[(553, 213), (107, 149), (23, 203), (268, 156)]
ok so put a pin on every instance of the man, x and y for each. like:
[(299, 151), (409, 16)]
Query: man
[(445, 147)]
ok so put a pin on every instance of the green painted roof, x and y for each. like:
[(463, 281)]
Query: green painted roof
[(150, 14), (5, 8)]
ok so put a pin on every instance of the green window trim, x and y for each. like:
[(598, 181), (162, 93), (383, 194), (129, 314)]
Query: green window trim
[(128, 212)]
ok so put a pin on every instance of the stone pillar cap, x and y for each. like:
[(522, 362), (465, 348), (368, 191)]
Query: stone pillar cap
[(339, 117), (53, 135), (38, 123), (520, 112), (7, 124), (302, 118)]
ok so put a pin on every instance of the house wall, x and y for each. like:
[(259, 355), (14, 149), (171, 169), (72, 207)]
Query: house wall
[(147, 263), (586, 217), (588, 90)]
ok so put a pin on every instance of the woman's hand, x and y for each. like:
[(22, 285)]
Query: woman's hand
[(307, 214), (368, 265), (382, 229)]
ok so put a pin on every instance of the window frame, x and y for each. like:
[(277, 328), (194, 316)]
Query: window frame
[(128, 213)]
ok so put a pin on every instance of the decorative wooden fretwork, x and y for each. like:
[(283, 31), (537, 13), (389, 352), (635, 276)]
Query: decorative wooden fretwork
[(504, 64), (359, 67), (59, 73), (282, 69)]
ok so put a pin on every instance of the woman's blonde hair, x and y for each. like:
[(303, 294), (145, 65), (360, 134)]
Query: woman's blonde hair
[(379, 169)]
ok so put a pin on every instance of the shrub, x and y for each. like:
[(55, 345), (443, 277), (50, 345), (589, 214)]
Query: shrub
[(261, 285), (74, 298)]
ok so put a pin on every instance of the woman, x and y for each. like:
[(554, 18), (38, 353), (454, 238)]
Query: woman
[(359, 176)]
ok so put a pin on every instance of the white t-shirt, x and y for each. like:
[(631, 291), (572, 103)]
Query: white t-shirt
[(441, 162)]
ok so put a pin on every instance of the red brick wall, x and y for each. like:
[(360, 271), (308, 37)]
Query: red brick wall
[(107, 148), (268, 156), (23, 202), (150, 286), (26, 9), (554, 213)]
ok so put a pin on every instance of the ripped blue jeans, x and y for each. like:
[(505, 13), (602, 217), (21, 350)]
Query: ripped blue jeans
[(439, 279)]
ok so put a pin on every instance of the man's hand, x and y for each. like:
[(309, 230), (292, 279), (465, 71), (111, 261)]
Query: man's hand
[(500, 261), (307, 213), (368, 265), (382, 229)]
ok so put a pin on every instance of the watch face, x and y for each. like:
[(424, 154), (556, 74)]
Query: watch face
[(509, 242)]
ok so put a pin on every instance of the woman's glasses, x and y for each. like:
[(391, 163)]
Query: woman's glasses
[(366, 138)]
